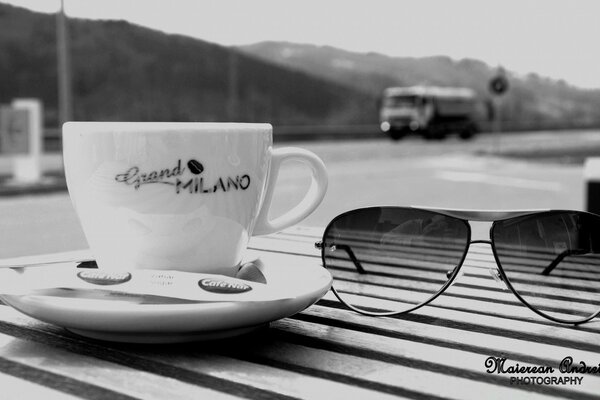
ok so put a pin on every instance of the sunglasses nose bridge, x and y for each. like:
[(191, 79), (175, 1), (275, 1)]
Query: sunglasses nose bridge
[(480, 241), (494, 272), (451, 272)]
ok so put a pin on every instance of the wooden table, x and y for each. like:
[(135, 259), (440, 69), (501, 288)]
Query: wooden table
[(324, 352)]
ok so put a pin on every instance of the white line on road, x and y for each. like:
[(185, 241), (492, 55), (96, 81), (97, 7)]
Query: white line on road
[(457, 176)]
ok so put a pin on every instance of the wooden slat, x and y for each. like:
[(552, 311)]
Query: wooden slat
[(86, 375), (437, 324), (326, 351), (388, 375), (193, 362), (14, 388), (443, 344), (430, 369), (264, 363)]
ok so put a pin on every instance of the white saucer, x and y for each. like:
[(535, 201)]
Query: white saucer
[(168, 320)]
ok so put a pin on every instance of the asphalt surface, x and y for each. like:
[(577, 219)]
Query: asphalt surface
[(541, 170), (483, 174)]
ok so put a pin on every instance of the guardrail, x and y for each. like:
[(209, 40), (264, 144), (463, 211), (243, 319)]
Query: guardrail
[(285, 133), (281, 133)]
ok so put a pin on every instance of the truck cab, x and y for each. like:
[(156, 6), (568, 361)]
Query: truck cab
[(433, 112)]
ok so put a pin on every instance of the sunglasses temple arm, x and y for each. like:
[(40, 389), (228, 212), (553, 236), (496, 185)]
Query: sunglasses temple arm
[(352, 256), (562, 256)]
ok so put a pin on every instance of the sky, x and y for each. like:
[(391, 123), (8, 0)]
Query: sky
[(553, 38)]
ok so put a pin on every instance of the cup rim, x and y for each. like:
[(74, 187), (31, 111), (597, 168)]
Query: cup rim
[(97, 127)]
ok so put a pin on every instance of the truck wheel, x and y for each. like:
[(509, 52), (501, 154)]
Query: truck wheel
[(396, 135), (467, 133)]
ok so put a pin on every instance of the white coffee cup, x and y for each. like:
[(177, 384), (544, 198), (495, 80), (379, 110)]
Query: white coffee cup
[(183, 196)]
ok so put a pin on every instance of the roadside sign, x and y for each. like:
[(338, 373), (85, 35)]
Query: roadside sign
[(21, 126), (498, 84), (14, 130)]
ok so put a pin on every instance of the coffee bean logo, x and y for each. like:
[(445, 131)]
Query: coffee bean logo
[(195, 167)]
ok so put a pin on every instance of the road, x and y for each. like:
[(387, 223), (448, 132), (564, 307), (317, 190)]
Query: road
[(451, 173)]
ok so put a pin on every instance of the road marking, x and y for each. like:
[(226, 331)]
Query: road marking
[(476, 177)]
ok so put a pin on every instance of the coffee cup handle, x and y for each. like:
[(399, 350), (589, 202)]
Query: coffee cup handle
[(307, 205)]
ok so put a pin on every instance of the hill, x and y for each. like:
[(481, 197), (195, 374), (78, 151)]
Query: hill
[(533, 102), (126, 72)]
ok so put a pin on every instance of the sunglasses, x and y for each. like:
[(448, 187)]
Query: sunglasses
[(393, 260)]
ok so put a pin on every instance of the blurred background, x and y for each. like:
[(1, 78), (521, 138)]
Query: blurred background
[(297, 63), (502, 110)]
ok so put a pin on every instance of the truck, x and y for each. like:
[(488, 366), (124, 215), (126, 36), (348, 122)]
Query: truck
[(432, 112)]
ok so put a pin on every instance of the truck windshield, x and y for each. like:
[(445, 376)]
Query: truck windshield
[(400, 101)]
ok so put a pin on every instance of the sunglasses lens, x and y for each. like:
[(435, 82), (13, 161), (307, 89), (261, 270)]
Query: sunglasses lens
[(391, 260), (552, 260)]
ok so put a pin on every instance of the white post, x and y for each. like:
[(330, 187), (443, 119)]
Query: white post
[(27, 167), (498, 122), (65, 106)]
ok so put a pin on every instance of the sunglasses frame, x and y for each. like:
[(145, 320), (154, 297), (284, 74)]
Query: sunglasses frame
[(466, 216)]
